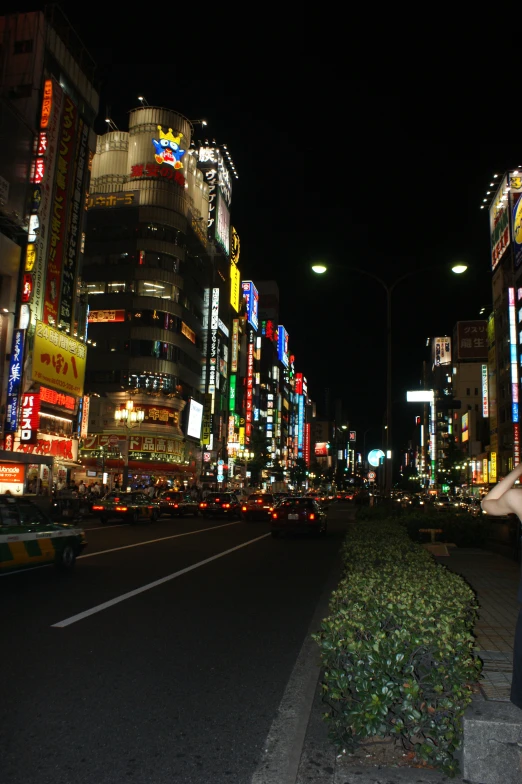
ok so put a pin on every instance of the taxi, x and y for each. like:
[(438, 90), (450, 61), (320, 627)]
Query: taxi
[(258, 506), (133, 507), (28, 537)]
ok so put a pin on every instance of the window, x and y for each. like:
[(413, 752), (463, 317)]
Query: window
[(115, 287), (468, 391), (476, 390), (31, 515), (23, 47), (9, 514), (96, 288), (155, 288)]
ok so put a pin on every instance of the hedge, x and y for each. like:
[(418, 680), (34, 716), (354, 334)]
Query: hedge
[(397, 647)]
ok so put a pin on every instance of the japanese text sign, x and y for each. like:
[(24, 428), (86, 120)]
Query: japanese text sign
[(58, 360)]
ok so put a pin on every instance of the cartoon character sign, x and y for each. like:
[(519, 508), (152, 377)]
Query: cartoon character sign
[(168, 148)]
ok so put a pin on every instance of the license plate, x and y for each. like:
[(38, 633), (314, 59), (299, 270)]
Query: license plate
[(293, 517)]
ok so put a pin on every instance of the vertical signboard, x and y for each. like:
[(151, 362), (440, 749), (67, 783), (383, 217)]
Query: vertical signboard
[(441, 351), (235, 345), (300, 426), (206, 425), (499, 223), (485, 405), (29, 417), (60, 203), (282, 345), (70, 261), (43, 177), (14, 381), (472, 340), (251, 297), (514, 376), (232, 394), (249, 385), (214, 324)]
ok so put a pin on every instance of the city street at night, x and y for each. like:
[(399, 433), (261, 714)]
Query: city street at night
[(164, 655)]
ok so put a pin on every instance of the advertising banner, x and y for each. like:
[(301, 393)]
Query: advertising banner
[(499, 223), (29, 417), (206, 429), (282, 345), (14, 381), (45, 171), (11, 478), (235, 345), (472, 340), (251, 296), (321, 449), (106, 316), (441, 351), (58, 224), (64, 448), (58, 360), (235, 286)]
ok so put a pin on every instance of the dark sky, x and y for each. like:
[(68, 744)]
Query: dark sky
[(362, 142)]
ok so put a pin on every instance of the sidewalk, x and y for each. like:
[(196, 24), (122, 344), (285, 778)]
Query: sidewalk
[(495, 580)]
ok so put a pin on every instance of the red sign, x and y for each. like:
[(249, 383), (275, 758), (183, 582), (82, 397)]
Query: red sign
[(9, 442), (27, 287), (57, 447), (57, 398), (299, 383), (472, 341), (155, 170), (29, 417), (105, 316), (321, 448)]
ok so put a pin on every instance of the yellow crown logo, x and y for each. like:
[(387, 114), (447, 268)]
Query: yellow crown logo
[(170, 136)]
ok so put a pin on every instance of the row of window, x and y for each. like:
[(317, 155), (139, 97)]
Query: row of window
[(156, 349), (143, 288), (149, 382), (122, 232), (143, 258)]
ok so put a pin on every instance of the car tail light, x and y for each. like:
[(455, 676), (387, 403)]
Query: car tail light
[(175, 506), (259, 500), (98, 508), (311, 516), (150, 507), (217, 500), (225, 506), (202, 505), (274, 515), (122, 509), (243, 508)]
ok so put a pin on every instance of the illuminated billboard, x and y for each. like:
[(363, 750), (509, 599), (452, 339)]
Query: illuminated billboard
[(195, 419), (251, 296), (499, 223), (222, 226), (58, 360), (282, 345), (441, 351), (321, 449), (235, 286)]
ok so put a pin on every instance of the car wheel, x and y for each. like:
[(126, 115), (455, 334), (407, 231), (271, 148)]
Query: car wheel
[(66, 558), (135, 516)]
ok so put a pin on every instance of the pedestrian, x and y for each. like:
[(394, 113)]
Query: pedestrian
[(505, 499), (82, 488)]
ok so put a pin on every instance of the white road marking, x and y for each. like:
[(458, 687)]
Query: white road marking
[(153, 541), (98, 608), (105, 527)]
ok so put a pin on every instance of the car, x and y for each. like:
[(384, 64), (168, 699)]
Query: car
[(258, 506), (132, 507), (444, 502), (300, 514), (29, 537), (176, 503), (221, 505)]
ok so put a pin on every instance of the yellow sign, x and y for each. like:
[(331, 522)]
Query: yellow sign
[(236, 245), (58, 360), (235, 286), (30, 256), (493, 467)]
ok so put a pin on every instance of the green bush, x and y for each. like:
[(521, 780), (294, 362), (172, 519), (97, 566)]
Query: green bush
[(397, 647)]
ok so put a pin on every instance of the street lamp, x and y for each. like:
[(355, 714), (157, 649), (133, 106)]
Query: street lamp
[(128, 416), (389, 288)]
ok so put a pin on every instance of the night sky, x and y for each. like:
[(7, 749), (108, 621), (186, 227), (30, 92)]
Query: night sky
[(355, 145)]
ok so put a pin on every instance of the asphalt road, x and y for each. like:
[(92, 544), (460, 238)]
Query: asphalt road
[(164, 657)]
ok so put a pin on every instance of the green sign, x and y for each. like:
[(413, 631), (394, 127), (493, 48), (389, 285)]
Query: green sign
[(232, 394)]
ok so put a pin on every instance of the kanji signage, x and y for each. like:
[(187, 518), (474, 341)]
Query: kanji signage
[(64, 448), (58, 224), (14, 380), (29, 417), (147, 170), (58, 360), (106, 316), (472, 340), (57, 398), (159, 415)]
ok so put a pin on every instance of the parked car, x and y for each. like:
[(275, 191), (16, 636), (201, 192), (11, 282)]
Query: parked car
[(300, 514), (221, 505), (258, 506), (29, 537), (133, 507), (178, 504)]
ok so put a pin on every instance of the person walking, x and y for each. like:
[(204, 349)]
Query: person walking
[(505, 499)]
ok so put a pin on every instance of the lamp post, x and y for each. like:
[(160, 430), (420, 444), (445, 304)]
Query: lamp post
[(389, 288), (128, 416)]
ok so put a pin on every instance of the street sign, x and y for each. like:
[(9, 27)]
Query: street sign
[(371, 475)]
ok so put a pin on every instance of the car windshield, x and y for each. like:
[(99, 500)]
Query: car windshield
[(297, 502), (267, 499), (218, 498)]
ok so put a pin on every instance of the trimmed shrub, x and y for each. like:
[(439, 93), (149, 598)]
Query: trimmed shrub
[(397, 647)]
